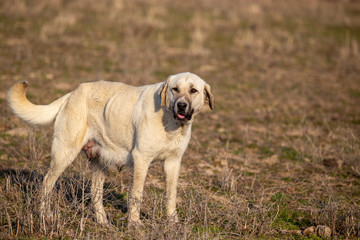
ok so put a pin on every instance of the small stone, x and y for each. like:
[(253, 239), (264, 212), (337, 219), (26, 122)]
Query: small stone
[(309, 231), (323, 231), (331, 163)]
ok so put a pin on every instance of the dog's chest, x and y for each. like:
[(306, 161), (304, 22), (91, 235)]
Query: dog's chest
[(174, 143)]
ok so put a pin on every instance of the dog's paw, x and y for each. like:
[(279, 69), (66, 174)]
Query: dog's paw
[(45, 213), (135, 224), (172, 216), (103, 221), (136, 229), (173, 219)]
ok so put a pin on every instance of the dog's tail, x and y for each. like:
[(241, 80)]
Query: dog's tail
[(29, 112)]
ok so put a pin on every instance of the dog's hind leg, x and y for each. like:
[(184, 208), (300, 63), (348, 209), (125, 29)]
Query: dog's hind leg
[(61, 157), (97, 191)]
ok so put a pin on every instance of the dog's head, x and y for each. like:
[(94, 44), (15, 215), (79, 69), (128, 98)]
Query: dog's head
[(184, 94)]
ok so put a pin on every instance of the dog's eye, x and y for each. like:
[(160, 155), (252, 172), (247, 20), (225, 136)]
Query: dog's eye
[(175, 89), (193, 90)]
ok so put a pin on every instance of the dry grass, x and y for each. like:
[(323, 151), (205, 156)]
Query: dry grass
[(280, 152)]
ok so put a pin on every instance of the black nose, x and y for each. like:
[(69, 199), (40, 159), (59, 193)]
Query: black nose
[(181, 105)]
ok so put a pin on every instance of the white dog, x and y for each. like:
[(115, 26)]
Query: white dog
[(117, 124)]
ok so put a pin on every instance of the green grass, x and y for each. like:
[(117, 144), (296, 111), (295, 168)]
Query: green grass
[(291, 154), (342, 33), (287, 218)]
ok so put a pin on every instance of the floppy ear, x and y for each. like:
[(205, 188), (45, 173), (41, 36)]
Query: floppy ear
[(163, 91), (208, 96)]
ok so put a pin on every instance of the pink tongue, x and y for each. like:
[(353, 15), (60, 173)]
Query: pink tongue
[(180, 116)]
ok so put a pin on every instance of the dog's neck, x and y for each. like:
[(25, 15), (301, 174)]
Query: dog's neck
[(172, 125)]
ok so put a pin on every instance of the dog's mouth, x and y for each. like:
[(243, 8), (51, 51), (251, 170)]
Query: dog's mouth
[(182, 116)]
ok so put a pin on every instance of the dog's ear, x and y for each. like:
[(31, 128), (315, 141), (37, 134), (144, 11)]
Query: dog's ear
[(208, 96), (163, 91)]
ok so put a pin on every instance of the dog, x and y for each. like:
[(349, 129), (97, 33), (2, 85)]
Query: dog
[(118, 124)]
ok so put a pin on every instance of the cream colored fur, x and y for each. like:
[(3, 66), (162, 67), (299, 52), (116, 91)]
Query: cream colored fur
[(130, 125)]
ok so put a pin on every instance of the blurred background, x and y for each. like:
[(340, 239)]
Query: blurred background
[(280, 153)]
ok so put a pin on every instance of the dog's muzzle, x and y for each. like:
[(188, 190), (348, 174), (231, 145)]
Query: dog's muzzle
[(182, 111)]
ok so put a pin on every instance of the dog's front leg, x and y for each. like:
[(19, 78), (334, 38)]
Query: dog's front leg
[(141, 166), (171, 170)]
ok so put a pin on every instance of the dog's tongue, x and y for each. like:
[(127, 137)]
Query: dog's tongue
[(181, 116)]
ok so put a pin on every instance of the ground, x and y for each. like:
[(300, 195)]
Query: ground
[(279, 153)]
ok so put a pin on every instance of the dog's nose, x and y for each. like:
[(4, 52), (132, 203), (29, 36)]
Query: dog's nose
[(181, 105)]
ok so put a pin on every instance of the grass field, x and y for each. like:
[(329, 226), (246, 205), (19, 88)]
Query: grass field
[(280, 153)]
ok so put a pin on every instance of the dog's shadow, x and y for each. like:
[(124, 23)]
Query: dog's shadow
[(74, 188)]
